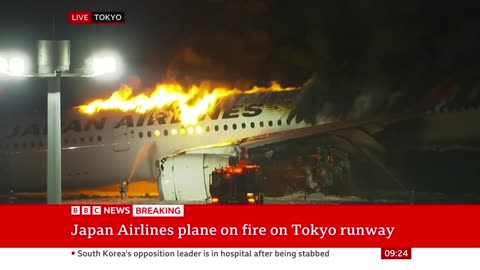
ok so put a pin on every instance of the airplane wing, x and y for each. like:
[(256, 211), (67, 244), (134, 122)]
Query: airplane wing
[(354, 130)]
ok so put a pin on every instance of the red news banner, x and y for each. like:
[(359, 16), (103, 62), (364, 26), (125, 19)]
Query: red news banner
[(256, 226)]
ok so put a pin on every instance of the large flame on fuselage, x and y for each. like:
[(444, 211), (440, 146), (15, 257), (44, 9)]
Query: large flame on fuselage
[(188, 103)]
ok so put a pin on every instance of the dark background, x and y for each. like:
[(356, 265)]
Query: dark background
[(384, 55), (384, 48)]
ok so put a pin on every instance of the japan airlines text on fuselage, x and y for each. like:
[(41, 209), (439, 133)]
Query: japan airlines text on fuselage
[(109, 147)]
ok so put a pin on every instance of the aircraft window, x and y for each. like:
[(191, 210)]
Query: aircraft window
[(252, 125), (32, 144), (207, 129), (216, 128), (243, 125), (261, 123), (165, 132), (99, 138), (234, 126), (90, 139), (157, 133), (270, 123), (225, 127), (140, 134), (65, 141), (279, 122), (132, 131), (82, 139), (74, 140), (149, 134)]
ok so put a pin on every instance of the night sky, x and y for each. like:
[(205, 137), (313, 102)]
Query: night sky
[(382, 49)]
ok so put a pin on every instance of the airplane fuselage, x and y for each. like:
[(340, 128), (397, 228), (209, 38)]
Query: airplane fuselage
[(109, 147)]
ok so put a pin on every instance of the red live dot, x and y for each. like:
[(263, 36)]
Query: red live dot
[(73, 252)]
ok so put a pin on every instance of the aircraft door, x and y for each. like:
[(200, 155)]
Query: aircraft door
[(120, 139)]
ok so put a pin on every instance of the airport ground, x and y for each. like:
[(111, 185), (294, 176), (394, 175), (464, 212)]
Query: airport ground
[(420, 178), (378, 197)]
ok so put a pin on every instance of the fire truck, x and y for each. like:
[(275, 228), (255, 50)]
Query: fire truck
[(237, 184)]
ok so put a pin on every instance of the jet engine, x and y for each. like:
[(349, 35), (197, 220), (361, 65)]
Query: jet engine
[(186, 177)]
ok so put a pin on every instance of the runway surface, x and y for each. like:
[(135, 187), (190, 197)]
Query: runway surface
[(379, 197)]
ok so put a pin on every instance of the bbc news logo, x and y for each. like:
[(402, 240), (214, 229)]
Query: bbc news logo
[(135, 210), (86, 210), (96, 17)]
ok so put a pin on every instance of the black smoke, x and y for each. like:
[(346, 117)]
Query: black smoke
[(388, 56), (358, 57), (373, 55)]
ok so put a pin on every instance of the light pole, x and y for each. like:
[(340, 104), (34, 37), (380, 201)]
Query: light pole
[(53, 64), (54, 152)]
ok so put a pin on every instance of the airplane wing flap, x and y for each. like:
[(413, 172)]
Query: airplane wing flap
[(228, 148)]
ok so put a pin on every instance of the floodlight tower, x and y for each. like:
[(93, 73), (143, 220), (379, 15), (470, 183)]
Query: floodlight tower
[(53, 64), (53, 60)]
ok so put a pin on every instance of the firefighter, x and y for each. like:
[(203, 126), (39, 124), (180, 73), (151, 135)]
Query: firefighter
[(123, 190)]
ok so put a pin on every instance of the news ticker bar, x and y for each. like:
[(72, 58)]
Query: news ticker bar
[(96, 17), (238, 258)]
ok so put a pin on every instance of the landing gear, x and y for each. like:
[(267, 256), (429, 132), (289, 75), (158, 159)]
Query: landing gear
[(309, 179), (326, 173)]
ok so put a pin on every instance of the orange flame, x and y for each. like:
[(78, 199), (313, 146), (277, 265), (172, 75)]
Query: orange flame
[(190, 103)]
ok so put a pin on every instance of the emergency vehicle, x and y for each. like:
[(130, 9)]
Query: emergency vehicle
[(237, 184)]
